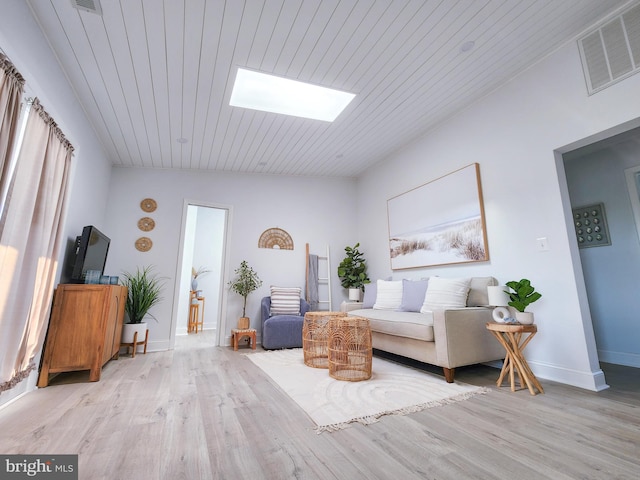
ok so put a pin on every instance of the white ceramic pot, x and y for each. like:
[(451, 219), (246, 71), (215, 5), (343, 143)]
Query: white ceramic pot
[(354, 294), (128, 330), (525, 318)]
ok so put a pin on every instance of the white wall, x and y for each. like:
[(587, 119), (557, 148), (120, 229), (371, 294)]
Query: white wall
[(611, 272), (22, 42), (313, 210), (512, 133)]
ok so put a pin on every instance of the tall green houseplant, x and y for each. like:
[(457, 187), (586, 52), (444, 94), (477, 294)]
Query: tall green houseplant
[(245, 282), (144, 291), (352, 271)]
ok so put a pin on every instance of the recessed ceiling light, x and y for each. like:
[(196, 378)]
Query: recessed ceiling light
[(467, 46), (268, 93)]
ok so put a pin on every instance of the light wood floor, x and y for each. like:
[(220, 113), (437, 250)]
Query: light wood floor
[(204, 412)]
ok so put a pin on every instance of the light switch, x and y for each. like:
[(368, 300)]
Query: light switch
[(543, 244)]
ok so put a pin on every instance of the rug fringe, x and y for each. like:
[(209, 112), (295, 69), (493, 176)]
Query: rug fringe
[(369, 419)]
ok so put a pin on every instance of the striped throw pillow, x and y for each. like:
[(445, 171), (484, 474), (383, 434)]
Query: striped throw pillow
[(285, 300)]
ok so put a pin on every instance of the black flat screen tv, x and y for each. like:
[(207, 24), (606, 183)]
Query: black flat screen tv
[(90, 253)]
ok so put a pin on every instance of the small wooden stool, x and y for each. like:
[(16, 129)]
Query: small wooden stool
[(238, 333)]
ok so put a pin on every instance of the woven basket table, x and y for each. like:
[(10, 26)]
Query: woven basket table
[(350, 350), (315, 334)]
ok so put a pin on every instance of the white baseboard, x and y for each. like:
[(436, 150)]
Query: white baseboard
[(587, 380), (620, 358)]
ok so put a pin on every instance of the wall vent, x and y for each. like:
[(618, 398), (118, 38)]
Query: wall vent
[(92, 6), (612, 52)]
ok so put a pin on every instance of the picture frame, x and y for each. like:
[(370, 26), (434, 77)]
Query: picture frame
[(441, 222)]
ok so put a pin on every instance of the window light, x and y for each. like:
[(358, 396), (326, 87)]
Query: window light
[(259, 91)]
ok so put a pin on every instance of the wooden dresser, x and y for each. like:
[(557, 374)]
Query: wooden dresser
[(84, 330)]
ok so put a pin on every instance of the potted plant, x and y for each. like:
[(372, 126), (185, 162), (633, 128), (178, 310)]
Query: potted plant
[(144, 289), (245, 282), (521, 295), (352, 272)]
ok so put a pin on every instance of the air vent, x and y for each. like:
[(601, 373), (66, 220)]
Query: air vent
[(92, 6), (612, 52)]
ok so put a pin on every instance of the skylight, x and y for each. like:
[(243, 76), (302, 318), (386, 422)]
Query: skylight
[(259, 91)]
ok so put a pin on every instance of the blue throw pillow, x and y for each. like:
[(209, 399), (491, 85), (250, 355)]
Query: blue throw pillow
[(413, 292), (370, 294)]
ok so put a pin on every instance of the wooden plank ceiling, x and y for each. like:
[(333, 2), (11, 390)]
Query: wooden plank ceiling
[(151, 72)]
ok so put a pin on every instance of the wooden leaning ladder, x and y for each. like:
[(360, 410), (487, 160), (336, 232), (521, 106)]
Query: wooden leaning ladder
[(324, 281)]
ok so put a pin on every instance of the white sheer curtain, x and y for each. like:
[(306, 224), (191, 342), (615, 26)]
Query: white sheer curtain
[(30, 241), (11, 88)]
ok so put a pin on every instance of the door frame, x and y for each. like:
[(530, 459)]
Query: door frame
[(179, 285)]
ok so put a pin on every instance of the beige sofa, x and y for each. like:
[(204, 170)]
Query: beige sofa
[(447, 338)]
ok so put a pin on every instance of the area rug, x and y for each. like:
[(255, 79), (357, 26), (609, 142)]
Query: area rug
[(393, 389)]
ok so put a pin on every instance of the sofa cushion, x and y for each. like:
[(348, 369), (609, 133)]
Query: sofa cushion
[(285, 300), (370, 292), (401, 324), (389, 295), (413, 292), (478, 296), (443, 293)]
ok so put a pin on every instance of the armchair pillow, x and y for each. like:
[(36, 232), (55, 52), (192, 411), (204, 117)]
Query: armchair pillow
[(285, 300)]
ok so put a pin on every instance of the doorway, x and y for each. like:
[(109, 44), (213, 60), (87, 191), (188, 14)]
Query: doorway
[(203, 250), (595, 176)]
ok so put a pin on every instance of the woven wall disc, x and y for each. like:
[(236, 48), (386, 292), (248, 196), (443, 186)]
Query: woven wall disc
[(275, 238), (144, 244), (146, 224), (148, 205)]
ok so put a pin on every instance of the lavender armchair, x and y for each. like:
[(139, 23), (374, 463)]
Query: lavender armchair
[(282, 331)]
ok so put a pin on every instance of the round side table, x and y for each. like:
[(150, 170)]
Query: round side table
[(315, 335), (512, 337), (350, 350)]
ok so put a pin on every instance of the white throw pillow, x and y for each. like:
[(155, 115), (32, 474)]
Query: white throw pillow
[(389, 295), (285, 300), (443, 293)]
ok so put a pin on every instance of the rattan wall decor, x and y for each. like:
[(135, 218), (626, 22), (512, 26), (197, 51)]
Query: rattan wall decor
[(591, 227), (275, 238), (148, 205), (144, 244), (146, 224)]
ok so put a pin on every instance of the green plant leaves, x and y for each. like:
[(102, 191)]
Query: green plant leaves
[(246, 281), (522, 295), (144, 291), (352, 271)]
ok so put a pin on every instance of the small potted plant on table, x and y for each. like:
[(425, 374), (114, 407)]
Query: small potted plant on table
[(522, 294), (246, 281), (352, 272)]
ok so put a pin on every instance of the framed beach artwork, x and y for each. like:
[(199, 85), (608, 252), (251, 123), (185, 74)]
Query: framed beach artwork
[(439, 223)]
